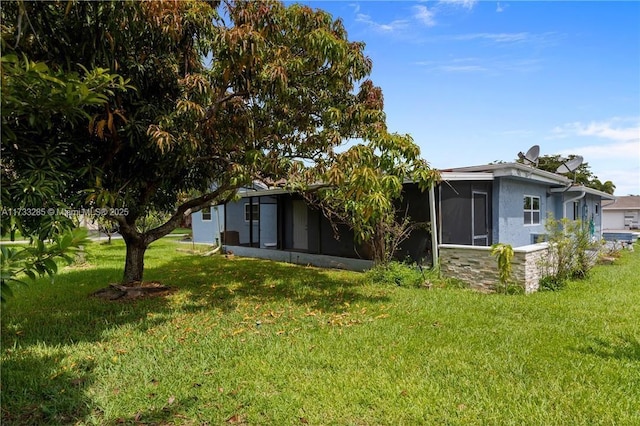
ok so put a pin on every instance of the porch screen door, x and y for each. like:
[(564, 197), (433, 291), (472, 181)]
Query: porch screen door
[(300, 239), (479, 220)]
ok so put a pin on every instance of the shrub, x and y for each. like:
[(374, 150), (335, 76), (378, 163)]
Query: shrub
[(503, 254), (397, 273), (572, 253), (551, 283)]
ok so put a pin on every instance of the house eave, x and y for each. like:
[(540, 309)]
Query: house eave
[(516, 171), (585, 189), (262, 192), (466, 176)]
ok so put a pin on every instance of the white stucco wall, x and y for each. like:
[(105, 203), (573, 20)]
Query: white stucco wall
[(206, 231)]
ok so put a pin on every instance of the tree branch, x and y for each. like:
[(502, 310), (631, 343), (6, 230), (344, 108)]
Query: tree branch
[(222, 195)]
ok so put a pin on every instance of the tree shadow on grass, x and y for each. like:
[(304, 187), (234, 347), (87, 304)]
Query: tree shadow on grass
[(37, 391), (623, 347), (65, 313), (171, 413), (220, 282), (40, 331)]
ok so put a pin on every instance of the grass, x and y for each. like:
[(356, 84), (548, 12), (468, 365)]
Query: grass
[(248, 341), (181, 231)]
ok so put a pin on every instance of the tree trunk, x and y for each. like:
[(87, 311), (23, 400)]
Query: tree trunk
[(134, 262), (137, 242), (379, 248)]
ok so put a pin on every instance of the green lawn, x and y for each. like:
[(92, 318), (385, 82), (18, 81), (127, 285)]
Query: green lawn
[(254, 342)]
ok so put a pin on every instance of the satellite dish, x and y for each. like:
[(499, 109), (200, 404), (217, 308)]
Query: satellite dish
[(257, 185), (571, 165), (531, 157)]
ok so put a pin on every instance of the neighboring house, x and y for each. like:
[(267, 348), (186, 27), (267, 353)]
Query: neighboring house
[(475, 207), (621, 214)]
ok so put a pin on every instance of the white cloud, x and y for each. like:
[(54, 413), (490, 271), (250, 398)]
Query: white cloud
[(495, 66), (626, 180), (461, 68), (497, 37), (421, 13), (604, 130), (616, 157), (618, 162), (617, 129), (467, 4), (424, 15), (504, 39), (621, 150), (399, 24), (500, 8)]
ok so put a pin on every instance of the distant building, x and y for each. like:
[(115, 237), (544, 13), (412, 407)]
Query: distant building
[(622, 213)]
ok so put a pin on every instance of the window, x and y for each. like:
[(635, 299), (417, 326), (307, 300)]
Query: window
[(206, 213), (251, 211), (576, 210), (597, 208), (531, 210)]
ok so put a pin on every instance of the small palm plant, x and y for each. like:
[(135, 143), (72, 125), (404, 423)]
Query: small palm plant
[(503, 254)]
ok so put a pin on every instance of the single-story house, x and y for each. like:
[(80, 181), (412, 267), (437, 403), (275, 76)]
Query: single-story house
[(474, 207), (509, 202), (623, 213)]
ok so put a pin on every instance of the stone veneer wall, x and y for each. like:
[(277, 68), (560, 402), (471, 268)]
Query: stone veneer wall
[(475, 265)]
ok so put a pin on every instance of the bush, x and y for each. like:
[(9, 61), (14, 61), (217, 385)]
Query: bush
[(572, 253), (396, 273), (551, 283), (504, 255)]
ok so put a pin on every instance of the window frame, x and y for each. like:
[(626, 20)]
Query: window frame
[(531, 211), (576, 210), (206, 210), (256, 212)]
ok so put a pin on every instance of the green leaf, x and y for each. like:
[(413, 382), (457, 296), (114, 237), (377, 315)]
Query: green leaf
[(50, 265)]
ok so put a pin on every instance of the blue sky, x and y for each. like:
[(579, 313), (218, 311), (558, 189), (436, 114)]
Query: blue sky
[(478, 81)]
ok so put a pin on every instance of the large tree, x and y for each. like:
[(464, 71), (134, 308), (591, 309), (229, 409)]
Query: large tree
[(220, 94), (39, 105)]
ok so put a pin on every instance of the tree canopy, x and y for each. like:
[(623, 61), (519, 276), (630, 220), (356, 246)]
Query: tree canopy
[(362, 184), (38, 106), (203, 97)]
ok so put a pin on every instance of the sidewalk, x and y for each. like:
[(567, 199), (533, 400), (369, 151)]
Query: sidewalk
[(93, 236)]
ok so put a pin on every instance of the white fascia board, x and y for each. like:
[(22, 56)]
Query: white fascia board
[(517, 170), (533, 175), (462, 176), (581, 188), (260, 192)]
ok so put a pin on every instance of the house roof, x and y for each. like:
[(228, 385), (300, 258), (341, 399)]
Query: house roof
[(631, 202), (559, 183), (515, 170)]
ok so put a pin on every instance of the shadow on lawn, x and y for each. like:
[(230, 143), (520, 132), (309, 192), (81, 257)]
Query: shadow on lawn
[(39, 336), (624, 347), (48, 396), (64, 313), (219, 282), (169, 414), (38, 389)]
